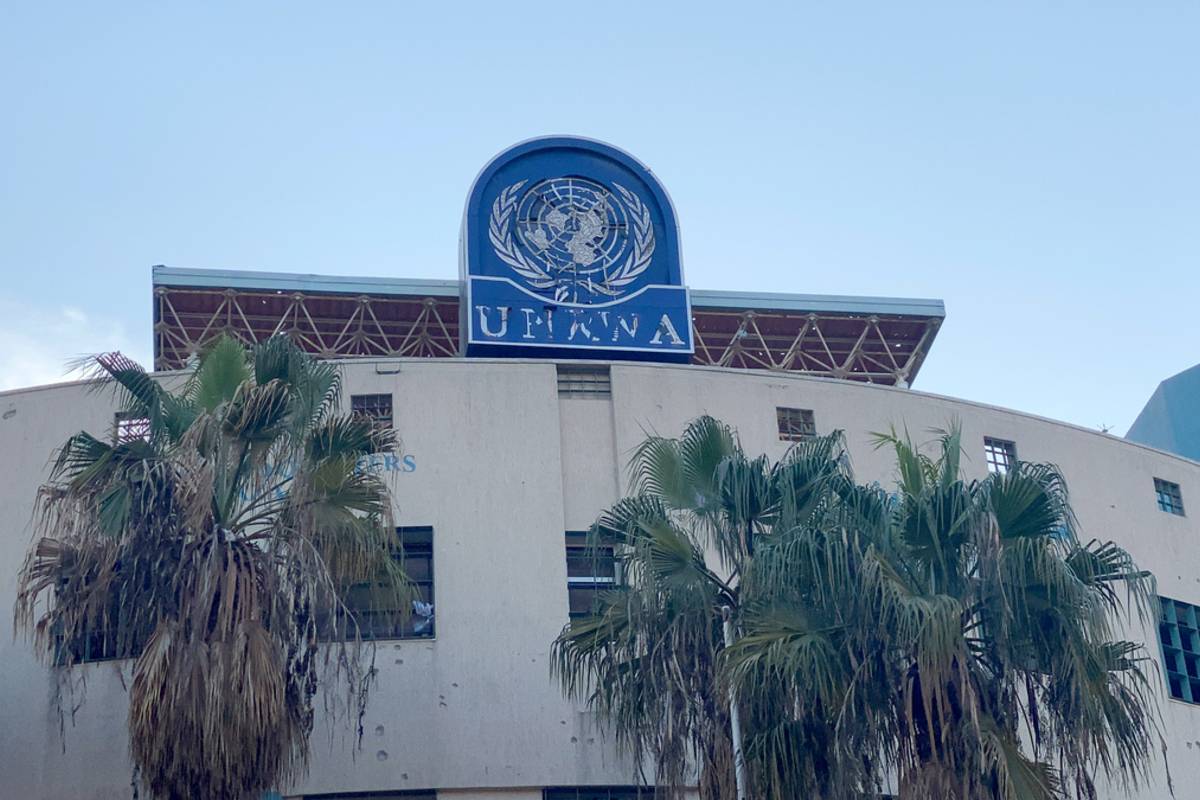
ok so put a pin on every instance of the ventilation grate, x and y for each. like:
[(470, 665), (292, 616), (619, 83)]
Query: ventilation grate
[(584, 381)]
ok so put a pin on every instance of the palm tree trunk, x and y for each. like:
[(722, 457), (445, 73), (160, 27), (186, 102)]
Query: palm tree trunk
[(735, 722)]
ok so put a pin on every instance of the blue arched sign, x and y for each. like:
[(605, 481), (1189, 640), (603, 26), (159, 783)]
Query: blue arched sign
[(571, 247)]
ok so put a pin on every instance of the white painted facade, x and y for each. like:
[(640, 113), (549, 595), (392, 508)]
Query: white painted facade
[(503, 466)]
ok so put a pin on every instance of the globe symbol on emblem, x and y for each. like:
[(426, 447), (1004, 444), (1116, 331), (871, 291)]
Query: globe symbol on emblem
[(572, 238), (573, 226)]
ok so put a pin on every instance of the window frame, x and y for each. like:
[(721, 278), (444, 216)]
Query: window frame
[(387, 624), (397, 794), (1169, 496), (98, 646), (101, 644), (601, 793), (994, 446), (361, 405), (129, 427), (1179, 649), (580, 546), (795, 424)]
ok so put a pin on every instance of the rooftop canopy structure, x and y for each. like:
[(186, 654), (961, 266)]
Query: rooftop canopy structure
[(872, 339)]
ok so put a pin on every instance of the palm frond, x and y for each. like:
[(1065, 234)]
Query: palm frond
[(1030, 500), (912, 465), (316, 385), (682, 472), (953, 635), (139, 395), (1012, 773), (222, 371), (338, 437), (217, 553)]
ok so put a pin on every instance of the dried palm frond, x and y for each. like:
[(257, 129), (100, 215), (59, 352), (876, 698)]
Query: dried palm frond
[(217, 552)]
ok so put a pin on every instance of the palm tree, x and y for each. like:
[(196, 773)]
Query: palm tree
[(962, 635), (953, 635), (648, 658), (215, 550)]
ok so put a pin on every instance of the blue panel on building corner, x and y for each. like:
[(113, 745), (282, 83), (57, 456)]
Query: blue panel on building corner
[(570, 247), (1169, 420)]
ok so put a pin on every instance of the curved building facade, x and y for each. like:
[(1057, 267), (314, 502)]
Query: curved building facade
[(501, 459), (518, 393)]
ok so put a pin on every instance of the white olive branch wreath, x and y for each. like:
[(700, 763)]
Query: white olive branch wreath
[(500, 234), (643, 241)]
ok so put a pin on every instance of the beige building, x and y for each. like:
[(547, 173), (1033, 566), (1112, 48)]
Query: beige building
[(502, 458), (511, 447)]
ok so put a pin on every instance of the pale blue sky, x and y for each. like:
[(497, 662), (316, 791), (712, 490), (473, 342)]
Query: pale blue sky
[(1037, 166)]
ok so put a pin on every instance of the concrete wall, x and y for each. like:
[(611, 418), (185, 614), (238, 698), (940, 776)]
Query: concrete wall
[(503, 466)]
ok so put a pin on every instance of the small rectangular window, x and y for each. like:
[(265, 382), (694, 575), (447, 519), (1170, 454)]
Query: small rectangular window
[(600, 793), (581, 380), (129, 427), (113, 635), (1000, 454), (590, 571), (97, 645), (1179, 634), (377, 407), (795, 424), (1170, 499), (401, 795), (375, 619)]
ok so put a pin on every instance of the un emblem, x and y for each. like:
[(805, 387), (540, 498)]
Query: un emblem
[(571, 238)]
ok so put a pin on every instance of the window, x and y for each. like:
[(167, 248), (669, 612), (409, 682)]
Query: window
[(129, 427), (1169, 498), (590, 570), (584, 381), (375, 406), (795, 424), (375, 619), (1180, 637), (115, 634), (98, 645), (1001, 455), (374, 796), (600, 793)]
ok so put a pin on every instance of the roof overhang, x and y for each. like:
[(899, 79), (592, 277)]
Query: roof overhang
[(876, 339)]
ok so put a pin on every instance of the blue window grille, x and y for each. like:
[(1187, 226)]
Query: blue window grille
[(1170, 498), (1179, 634)]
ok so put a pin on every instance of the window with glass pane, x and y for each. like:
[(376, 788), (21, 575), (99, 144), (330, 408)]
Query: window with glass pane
[(1170, 499), (1000, 454), (1180, 637), (128, 427), (376, 406), (600, 793), (374, 796), (376, 620), (114, 634), (795, 423), (97, 645), (590, 570)]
